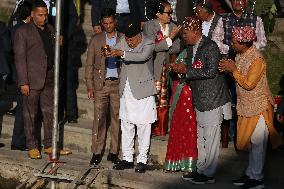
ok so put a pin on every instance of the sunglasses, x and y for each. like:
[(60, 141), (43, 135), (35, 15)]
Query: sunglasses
[(169, 13)]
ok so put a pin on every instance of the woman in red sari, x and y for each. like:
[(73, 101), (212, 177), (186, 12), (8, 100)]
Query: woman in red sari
[(182, 143)]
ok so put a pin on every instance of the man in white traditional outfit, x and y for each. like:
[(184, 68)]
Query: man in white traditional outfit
[(137, 90)]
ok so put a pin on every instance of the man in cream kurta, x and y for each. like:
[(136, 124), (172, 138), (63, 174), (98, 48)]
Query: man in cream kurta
[(137, 90)]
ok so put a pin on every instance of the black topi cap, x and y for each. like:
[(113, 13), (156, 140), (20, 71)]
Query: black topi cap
[(133, 29)]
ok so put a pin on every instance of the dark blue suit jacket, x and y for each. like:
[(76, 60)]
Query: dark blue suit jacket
[(137, 9)]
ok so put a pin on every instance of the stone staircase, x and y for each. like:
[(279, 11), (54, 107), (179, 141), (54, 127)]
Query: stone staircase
[(85, 106), (276, 39)]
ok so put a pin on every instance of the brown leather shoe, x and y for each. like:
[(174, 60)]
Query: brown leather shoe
[(34, 154), (62, 152)]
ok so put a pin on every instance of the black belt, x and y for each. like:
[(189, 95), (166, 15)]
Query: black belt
[(112, 78), (122, 14)]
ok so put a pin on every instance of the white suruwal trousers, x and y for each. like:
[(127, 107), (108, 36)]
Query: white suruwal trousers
[(257, 151), (209, 136), (140, 113)]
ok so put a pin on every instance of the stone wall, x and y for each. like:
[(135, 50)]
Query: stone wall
[(7, 4)]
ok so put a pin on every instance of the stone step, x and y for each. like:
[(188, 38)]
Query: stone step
[(8, 4), (279, 25), (77, 137)]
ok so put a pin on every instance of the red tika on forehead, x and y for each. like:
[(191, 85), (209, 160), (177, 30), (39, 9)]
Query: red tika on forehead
[(244, 34), (193, 23)]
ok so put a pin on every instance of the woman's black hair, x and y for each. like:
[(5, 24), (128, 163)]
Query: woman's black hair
[(155, 6), (24, 10)]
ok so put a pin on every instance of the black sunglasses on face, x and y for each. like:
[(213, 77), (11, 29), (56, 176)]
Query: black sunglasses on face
[(169, 13)]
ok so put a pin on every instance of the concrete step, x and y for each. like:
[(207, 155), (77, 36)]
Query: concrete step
[(15, 164), (7, 4), (279, 25), (77, 137)]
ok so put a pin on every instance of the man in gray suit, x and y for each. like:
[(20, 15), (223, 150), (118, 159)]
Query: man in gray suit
[(210, 97), (137, 90)]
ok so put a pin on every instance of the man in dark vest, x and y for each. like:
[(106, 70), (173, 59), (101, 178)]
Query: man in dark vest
[(210, 19), (223, 37)]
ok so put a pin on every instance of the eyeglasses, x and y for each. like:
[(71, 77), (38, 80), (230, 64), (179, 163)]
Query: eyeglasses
[(236, 1), (169, 13)]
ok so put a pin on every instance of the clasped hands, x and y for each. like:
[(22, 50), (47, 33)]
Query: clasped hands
[(178, 68), (227, 65)]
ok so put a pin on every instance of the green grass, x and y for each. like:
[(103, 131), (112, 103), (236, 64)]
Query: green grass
[(275, 71)]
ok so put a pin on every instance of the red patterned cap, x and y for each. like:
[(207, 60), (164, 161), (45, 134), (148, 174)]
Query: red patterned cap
[(192, 23), (244, 34)]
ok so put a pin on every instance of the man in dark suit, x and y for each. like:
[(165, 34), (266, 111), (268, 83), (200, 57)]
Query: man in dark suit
[(4, 50), (103, 88), (125, 9), (34, 59), (210, 97), (4, 70), (70, 23)]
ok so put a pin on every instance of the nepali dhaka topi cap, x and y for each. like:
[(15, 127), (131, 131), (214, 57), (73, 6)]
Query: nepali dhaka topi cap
[(133, 29), (192, 23), (244, 34)]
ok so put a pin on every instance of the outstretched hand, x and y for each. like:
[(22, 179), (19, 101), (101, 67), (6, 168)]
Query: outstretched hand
[(116, 53), (175, 32)]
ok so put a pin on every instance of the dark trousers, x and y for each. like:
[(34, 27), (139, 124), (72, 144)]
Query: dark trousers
[(19, 137), (39, 100), (122, 22), (4, 107), (69, 80), (71, 86)]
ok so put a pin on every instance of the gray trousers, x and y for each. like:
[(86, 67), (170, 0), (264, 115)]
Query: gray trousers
[(208, 138)]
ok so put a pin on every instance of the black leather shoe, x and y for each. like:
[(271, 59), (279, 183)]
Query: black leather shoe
[(96, 159), (190, 176), (11, 112), (20, 148), (113, 158), (72, 120), (121, 165), (2, 145), (140, 168)]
